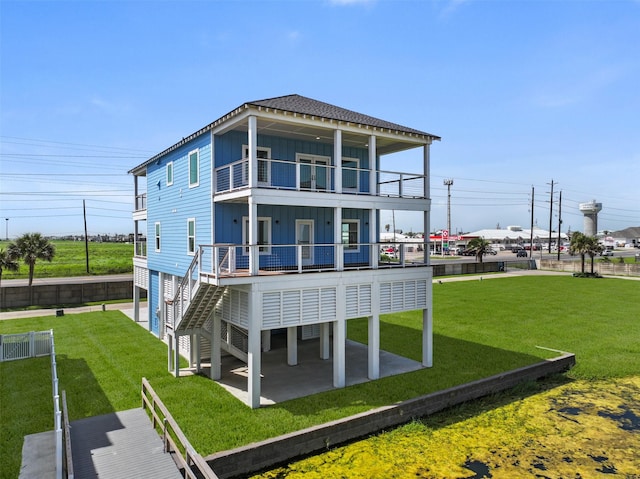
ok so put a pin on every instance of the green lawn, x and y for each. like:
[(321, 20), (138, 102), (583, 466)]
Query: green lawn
[(71, 260), (480, 328)]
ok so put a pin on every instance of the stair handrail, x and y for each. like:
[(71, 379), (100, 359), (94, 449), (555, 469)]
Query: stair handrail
[(178, 299)]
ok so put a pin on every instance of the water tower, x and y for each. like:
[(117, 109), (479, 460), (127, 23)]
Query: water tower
[(590, 211)]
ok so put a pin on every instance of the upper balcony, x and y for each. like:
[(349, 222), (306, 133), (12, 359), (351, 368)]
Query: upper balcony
[(140, 207), (318, 175)]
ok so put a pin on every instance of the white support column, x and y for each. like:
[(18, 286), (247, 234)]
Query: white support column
[(169, 352), (427, 193), (324, 340), (254, 252), (176, 354), (216, 339), (339, 353), (266, 340), (253, 156), (337, 235), (374, 251), (373, 348), (254, 353), (292, 346), (337, 160), (136, 303), (373, 166), (196, 338), (427, 338)]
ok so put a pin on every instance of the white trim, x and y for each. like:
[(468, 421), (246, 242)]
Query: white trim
[(190, 251), (157, 236), (197, 182), (264, 249), (315, 161), (169, 168), (310, 246), (355, 171), (245, 165), (346, 247)]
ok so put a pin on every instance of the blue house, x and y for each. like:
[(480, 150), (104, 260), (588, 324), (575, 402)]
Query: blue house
[(267, 221)]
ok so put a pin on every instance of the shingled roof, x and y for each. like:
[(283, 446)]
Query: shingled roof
[(309, 106), (299, 105)]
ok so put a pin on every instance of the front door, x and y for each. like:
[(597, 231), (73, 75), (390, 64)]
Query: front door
[(304, 237), (314, 173)]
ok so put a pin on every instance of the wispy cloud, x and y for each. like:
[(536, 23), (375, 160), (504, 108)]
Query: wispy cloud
[(451, 6), (577, 89)]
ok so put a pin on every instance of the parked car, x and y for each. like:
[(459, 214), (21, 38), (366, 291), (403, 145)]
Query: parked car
[(521, 253), (491, 251), (607, 252)]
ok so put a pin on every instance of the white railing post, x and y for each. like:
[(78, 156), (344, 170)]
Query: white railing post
[(299, 257)]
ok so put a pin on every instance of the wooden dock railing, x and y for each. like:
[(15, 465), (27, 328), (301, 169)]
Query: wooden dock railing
[(175, 442)]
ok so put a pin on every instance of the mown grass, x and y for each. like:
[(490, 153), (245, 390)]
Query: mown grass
[(71, 260), (480, 328)]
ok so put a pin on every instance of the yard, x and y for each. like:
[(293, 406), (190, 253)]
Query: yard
[(480, 328)]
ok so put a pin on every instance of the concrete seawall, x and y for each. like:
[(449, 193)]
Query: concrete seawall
[(72, 291)]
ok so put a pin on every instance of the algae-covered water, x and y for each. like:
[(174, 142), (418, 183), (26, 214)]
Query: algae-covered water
[(568, 429)]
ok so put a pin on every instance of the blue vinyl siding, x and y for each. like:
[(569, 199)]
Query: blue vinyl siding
[(228, 149), (283, 231), (172, 205)]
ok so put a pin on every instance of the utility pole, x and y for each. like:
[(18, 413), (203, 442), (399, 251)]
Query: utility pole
[(448, 182), (559, 222), (550, 215), (531, 238), (86, 238)]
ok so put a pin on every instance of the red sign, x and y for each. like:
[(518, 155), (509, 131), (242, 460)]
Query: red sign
[(445, 234)]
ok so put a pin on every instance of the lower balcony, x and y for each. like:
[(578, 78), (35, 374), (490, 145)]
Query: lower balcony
[(225, 261)]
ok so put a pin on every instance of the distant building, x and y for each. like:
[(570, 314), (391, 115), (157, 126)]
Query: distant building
[(513, 236)]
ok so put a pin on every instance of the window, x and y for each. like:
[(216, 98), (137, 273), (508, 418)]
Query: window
[(264, 234), (191, 236), (350, 174), (351, 235), (170, 173), (264, 175), (194, 168), (157, 236)]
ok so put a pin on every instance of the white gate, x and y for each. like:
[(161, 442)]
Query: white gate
[(25, 345)]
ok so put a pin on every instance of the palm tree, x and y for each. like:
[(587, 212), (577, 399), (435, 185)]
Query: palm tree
[(578, 245), (593, 248), (480, 247), (31, 248), (8, 259)]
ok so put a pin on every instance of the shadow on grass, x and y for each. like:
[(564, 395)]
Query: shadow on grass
[(455, 362), (85, 396)]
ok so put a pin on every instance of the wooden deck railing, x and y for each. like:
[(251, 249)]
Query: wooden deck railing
[(175, 442)]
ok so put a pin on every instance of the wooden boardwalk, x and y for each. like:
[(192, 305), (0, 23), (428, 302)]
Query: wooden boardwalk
[(118, 446)]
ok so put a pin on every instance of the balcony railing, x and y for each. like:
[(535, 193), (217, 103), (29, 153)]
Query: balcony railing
[(141, 202), (299, 176), (220, 261), (141, 248)]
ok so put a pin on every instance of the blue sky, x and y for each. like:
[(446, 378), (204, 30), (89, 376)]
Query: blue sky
[(521, 92)]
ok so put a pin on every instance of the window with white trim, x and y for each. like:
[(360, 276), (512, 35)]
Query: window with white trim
[(194, 168), (264, 234), (191, 236), (170, 173), (157, 235), (351, 235), (350, 174), (264, 166)]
